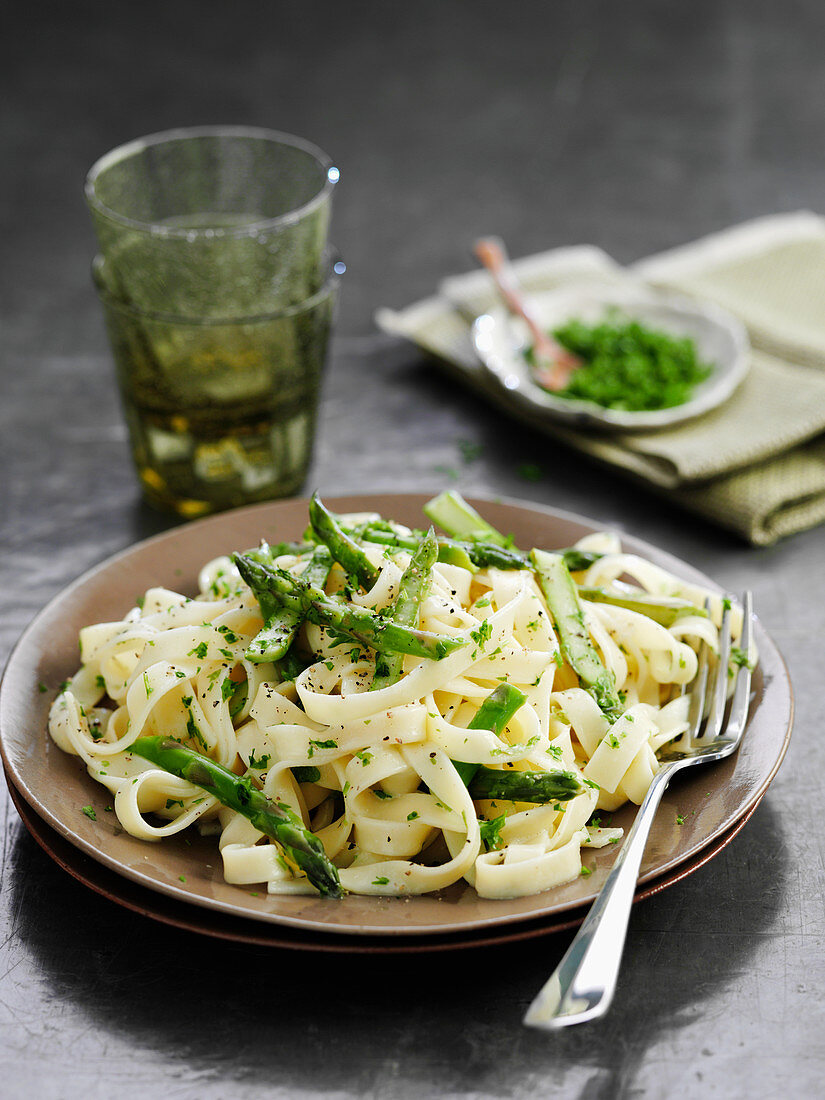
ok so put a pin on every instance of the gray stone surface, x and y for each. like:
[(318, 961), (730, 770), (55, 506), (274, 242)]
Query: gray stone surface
[(633, 126)]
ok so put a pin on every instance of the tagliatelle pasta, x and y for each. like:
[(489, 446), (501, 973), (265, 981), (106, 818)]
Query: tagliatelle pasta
[(376, 765)]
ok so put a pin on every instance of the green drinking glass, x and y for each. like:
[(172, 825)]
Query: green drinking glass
[(220, 412), (213, 222)]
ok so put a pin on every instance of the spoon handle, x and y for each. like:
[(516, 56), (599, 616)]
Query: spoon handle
[(553, 364)]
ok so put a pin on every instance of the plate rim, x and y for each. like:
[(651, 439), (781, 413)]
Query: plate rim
[(518, 932), (360, 501)]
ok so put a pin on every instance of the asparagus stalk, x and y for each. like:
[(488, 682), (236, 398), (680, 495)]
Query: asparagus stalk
[(577, 560), (512, 786), (480, 554), (662, 609), (515, 786), (281, 624), (493, 714), (411, 591), (458, 518), (356, 623), (268, 553), (563, 602), (343, 548), (452, 551), (275, 819)]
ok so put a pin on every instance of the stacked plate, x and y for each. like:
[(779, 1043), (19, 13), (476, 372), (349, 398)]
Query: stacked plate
[(180, 880)]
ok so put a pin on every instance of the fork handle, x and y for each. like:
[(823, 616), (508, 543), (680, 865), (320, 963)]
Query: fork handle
[(582, 985)]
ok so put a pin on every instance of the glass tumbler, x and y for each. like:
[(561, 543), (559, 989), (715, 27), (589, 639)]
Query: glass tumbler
[(213, 222), (220, 412)]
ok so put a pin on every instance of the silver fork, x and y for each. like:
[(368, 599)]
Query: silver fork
[(582, 986)]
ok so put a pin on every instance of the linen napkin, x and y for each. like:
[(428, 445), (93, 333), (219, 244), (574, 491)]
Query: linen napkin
[(755, 464)]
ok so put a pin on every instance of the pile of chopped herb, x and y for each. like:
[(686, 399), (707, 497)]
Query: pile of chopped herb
[(628, 366)]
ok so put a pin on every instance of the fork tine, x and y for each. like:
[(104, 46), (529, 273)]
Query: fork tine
[(740, 703), (698, 690), (583, 984), (719, 697)]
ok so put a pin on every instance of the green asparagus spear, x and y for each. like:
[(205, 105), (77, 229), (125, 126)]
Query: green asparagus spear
[(563, 602), (281, 624), (476, 554), (411, 591), (493, 714), (357, 623), (452, 551), (306, 773), (577, 560), (515, 786), (275, 819), (662, 609), (458, 518), (267, 552), (274, 639), (344, 549)]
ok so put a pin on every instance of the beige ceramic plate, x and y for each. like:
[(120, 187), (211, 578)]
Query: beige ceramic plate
[(207, 922), (710, 801)]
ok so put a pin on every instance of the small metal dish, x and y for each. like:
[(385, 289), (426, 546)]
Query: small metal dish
[(500, 341)]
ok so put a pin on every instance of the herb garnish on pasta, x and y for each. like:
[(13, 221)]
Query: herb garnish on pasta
[(380, 710)]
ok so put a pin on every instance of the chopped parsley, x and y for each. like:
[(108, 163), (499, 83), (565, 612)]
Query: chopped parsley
[(448, 471), (626, 365), (89, 812), (470, 451), (530, 471), (491, 832), (239, 697), (193, 731), (313, 745), (739, 657)]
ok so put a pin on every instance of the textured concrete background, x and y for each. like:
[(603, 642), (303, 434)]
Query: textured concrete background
[(633, 126)]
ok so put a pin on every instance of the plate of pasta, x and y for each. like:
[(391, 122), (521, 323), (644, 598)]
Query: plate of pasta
[(378, 716)]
